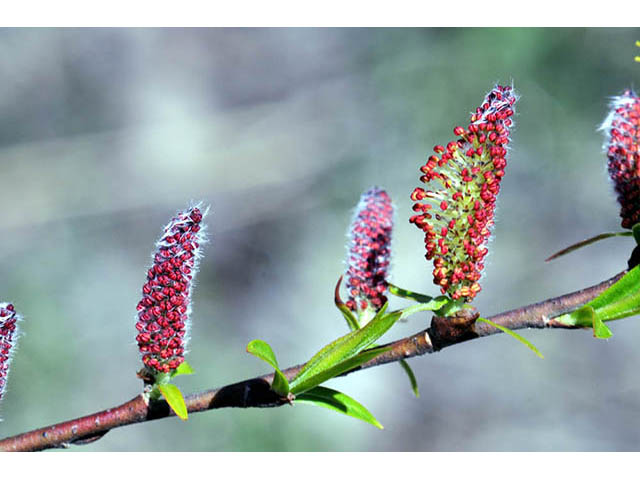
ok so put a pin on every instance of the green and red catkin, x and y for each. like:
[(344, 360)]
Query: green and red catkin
[(456, 209)]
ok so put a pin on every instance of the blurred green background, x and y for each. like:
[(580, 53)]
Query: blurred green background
[(106, 133)]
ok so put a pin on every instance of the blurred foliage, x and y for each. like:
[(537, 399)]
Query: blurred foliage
[(106, 133)]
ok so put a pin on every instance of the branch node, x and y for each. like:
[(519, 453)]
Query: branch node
[(445, 331)]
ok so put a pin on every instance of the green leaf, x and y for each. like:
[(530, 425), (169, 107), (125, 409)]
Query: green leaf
[(600, 330), (174, 398), (349, 317), (435, 304), (583, 316), (586, 315), (513, 334), (183, 369), (338, 402), (620, 300), (263, 351), (451, 307), (442, 305), (346, 313), (280, 384), (401, 292), (412, 378), (312, 380), (347, 346), (586, 242)]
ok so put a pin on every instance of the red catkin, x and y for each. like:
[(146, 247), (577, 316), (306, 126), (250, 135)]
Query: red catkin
[(8, 336), (622, 145), (165, 307), (369, 251)]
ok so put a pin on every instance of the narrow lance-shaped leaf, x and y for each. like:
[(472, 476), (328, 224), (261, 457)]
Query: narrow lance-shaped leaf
[(412, 378), (338, 402), (355, 325), (508, 331), (620, 300), (437, 304), (313, 379), (348, 345), (263, 351), (403, 293), (350, 318), (586, 315), (586, 242), (442, 305)]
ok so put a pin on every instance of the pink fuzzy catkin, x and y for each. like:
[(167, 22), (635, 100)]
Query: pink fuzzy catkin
[(622, 145), (369, 251), (163, 312), (8, 336)]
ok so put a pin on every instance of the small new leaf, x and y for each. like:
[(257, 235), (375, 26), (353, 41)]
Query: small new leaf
[(174, 398), (402, 293), (435, 304), (338, 402), (183, 369), (513, 334), (451, 307), (442, 305), (263, 351)]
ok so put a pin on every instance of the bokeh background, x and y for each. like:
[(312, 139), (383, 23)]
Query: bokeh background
[(106, 133)]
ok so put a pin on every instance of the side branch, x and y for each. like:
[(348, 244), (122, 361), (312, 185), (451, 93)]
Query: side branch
[(256, 392)]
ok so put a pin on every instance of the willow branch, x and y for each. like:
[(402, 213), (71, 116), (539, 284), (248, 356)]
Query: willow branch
[(257, 393)]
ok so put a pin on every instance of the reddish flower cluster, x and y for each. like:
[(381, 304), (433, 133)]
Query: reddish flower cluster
[(8, 335), (369, 251), (623, 150), (163, 312), (457, 215)]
